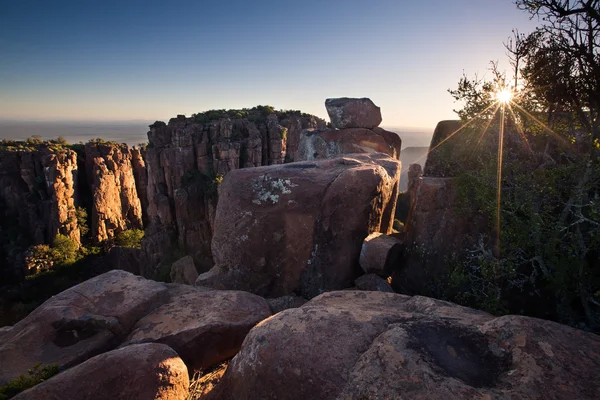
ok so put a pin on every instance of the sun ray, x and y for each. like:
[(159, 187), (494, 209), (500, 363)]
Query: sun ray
[(546, 127), (520, 129), (463, 126), (499, 180), (487, 125)]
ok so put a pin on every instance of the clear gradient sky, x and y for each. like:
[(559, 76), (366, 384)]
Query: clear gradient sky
[(151, 60)]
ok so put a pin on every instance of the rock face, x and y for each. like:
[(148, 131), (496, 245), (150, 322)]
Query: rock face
[(298, 228), (357, 345), (119, 308), (116, 206), (353, 113), (42, 184), (315, 144), (186, 159), (439, 226), (144, 371), (184, 271), (205, 328), (437, 163), (138, 164)]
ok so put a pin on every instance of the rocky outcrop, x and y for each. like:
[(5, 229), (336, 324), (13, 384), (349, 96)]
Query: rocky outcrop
[(186, 159), (138, 164), (116, 206), (440, 226), (353, 113), (298, 228), (119, 309), (444, 138), (140, 372), (357, 345), (373, 283), (38, 189)]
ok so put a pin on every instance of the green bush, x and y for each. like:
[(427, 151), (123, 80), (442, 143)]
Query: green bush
[(130, 238), (35, 375), (65, 250)]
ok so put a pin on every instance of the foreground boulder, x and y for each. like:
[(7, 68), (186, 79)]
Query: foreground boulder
[(317, 144), (298, 228), (353, 113), (117, 309), (205, 328), (145, 371), (78, 323), (372, 345)]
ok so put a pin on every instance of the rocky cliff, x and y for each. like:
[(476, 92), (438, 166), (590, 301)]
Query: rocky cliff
[(42, 185), (186, 160)]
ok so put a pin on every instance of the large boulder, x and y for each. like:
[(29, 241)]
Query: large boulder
[(204, 328), (298, 228), (316, 144), (144, 371), (372, 345), (78, 323), (353, 113)]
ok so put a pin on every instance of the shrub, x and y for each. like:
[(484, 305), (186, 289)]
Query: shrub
[(130, 238), (65, 250), (35, 375)]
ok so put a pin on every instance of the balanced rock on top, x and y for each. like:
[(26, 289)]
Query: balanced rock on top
[(353, 113)]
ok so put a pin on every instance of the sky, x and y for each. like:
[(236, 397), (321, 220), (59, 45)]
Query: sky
[(151, 60)]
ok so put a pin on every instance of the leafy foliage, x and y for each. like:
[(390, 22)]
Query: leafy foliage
[(130, 238)]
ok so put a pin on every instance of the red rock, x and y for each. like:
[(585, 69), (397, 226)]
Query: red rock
[(357, 345), (353, 113), (116, 206), (144, 371), (298, 228)]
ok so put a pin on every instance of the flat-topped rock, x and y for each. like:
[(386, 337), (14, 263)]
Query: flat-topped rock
[(347, 112), (298, 228)]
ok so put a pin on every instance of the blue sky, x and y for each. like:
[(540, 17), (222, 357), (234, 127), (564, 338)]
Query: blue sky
[(150, 60)]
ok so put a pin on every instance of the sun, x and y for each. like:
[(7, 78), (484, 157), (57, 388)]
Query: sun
[(504, 96)]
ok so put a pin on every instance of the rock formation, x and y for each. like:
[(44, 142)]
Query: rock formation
[(353, 113), (358, 345), (186, 159), (298, 228), (116, 206), (118, 308), (43, 183), (355, 130)]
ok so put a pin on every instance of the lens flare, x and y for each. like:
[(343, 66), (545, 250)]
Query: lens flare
[(504, 96)]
